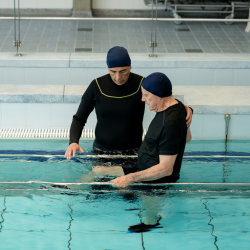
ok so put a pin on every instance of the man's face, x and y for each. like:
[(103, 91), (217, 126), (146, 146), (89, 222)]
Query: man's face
[(120, 75), (150, 99)]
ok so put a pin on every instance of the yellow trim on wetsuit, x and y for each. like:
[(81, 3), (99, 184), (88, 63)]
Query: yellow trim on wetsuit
[(117, 96)]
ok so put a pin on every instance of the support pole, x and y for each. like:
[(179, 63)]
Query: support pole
[(248, 24), (17, 43)]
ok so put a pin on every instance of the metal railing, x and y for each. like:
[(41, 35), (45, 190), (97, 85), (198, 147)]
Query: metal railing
[(17, 41)]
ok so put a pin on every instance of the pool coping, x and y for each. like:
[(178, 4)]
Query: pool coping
[(203, 99), (139, 60)]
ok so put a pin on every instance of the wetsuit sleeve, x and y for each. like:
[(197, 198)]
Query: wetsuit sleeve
[(80, 118), (170, 140)]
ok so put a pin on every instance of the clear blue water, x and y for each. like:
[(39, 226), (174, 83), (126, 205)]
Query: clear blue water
[(34, 216)]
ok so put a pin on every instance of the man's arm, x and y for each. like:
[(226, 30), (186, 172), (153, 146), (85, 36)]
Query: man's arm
[(79, 119), (189, 116), (164, 168), (189, 136)]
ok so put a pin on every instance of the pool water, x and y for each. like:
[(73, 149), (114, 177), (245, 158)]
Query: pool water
[(215, 214)]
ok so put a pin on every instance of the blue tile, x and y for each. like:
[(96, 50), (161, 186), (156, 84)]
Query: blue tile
[(14, 76), (77, 76), (14, 115), (1, 76), (242, 77), (203, 77), (224, 77), (56, 76), (35, 76), (43, 120), (182, 76)]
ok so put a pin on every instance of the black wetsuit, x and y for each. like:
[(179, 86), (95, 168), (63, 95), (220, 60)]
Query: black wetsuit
[(119, 112), (166, 136)]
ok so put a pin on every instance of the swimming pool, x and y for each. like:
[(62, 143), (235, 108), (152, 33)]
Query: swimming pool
[(37, 214)]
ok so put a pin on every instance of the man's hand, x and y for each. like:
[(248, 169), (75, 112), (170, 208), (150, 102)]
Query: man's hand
[(72, 148), (189, 116), (122, 181)]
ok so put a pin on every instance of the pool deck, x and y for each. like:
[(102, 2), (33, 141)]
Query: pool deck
[(99, 36), (98, 60)]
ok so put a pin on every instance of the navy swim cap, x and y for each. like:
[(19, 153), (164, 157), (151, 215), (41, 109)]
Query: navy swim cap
[(118, 57), (158, 84)]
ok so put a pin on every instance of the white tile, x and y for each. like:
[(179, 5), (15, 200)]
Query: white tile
[(142, 71), (56, 76), (182, 76), (66, 4), (203, 77), (147, 117), (242, 77), (35, 76), (214, 127), (196, 127), (14, 76), (1, 76), (140, 5), (224, 77), (128, 4), (239, 127), (62, 115), (14, 115), (38, 115), (105, 4), (94, 73), (91, 122), (48, 4), (28, 4), (77, 76), (6, 4)]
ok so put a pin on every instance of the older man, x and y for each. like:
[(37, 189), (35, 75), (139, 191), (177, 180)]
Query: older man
[(160, 155), (116, 98)]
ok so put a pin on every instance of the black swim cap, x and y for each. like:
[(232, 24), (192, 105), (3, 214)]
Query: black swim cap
[(158, 84), (118, 57)]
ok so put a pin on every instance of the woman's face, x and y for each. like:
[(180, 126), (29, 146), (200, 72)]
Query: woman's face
[(120, 75)]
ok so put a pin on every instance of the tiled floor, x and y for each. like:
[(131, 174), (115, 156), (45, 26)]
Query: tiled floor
[(63, 36)]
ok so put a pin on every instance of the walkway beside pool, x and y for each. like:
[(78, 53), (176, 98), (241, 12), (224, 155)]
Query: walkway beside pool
[(98, 36)]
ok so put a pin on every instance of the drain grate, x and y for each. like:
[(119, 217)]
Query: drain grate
[(178, 29), (83, 49), (84, 29), (194, 50), (45, 133)]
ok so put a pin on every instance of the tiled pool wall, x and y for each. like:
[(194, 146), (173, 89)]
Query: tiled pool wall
[(214, 86)]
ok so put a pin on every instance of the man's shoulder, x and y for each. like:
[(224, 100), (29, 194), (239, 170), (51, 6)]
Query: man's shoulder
[(102, 78), (136, 76)]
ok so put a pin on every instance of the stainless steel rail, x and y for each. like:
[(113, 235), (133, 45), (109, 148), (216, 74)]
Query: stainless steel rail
[(128, 19), (17, 43)]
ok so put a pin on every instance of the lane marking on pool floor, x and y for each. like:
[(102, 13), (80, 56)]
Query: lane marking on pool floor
[(134, 184), (120, 156)]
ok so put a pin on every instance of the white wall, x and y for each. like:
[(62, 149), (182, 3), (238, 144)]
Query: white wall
[(83, 76), (56, 115), (38, 4), (120, 4)]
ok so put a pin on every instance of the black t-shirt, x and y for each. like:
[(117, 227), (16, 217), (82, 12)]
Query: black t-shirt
[(166, 136), (119, 112)]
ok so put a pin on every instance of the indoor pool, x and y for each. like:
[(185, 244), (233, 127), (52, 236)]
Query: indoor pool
[(43, 205)]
